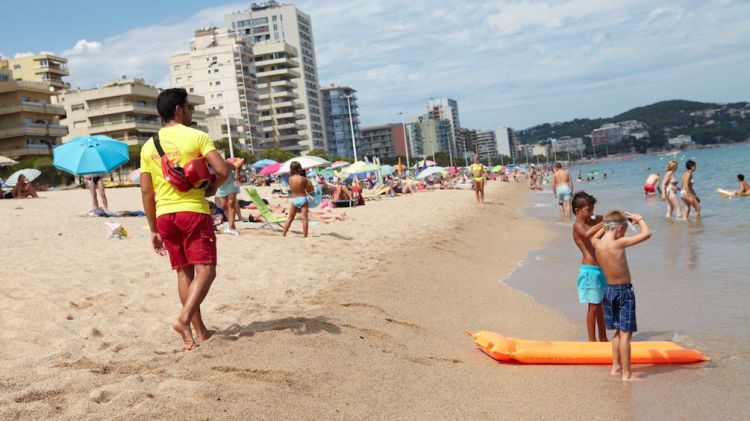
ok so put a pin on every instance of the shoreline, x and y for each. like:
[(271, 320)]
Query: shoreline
[(369, 322)]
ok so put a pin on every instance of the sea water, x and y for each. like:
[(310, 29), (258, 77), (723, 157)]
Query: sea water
[(691, 279)]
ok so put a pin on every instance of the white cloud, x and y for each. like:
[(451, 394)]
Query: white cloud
[(25, 54), (83, 47)]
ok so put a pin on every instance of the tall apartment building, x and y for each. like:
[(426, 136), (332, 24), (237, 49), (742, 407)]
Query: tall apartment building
[(29, 123), (428, 136), (124, 110), (447, 109), (607, 134), (219, 68), (47, 68), (341, 115), (486, 145), (280, 117), (381, 141), (567, 144), (469, 138), (504, 139), (277, 22)]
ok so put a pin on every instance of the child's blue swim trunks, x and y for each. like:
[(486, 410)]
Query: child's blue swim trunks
[(591, 284), (619, 308)]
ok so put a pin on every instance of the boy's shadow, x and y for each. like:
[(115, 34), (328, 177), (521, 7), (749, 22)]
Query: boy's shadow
[(298, 326), (337, 236)]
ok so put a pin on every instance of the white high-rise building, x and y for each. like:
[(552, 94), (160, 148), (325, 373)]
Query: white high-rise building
[(284, 22), (220, 68), (447, 109), (504, 137)]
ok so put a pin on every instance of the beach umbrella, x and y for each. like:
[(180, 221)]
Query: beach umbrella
[(432, 171), (307, 162), (259, 165), (4, 161), (90, 155), (425, 163), (340, 164), (360, 167), (387, 170), (270, 169), (30, 174), (497, 168)]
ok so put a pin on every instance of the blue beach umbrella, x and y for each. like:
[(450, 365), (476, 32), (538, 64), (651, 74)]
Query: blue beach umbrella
[(259, 165), (387, 170), (84, 155)]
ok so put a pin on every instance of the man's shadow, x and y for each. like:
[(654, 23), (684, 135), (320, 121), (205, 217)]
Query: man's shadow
[(298, 326)]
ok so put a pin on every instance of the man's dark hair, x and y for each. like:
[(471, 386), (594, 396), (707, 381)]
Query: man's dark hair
[(740, 177), (690, 164), (582, 199), (168, 99)]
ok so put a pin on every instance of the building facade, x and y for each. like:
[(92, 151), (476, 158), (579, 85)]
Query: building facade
[(381, 141), (607, 134), (428, 136), (447, 109), (29, 122), (504, 140), (276, 22), (486, 145), (567, 144), (341, 115), (220, 69), (46, 68), (124, 110), (281, 119)]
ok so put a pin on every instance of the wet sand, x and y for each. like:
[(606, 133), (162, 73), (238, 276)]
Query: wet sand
[(366, 318)]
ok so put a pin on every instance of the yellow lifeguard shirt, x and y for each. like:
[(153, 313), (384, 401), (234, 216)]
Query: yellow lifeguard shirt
[(181, 144)]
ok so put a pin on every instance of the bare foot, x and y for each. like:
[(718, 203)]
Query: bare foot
[(187, 335), (616, 370), (629, 377), (204, 335)]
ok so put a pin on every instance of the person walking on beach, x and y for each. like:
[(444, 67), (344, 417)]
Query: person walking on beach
[(96, 185), (669, 190), (478, 173), (651, 184), (591, 281), (180, 221), (619, 300), (688, 193), (227, 193), (300, 187), (562, 188)]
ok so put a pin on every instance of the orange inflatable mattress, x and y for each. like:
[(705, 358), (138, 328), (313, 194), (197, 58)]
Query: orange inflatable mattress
[(503, 348)]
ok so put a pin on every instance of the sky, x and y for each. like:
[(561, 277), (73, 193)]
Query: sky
[(513, 63)]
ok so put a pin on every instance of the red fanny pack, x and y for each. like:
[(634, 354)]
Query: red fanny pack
[(184, 179)]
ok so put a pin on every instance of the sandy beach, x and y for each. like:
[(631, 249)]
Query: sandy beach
[(367, 318)]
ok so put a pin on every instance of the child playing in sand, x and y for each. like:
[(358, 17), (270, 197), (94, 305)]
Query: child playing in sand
[(300, 187), (619, 300), (591, 281)]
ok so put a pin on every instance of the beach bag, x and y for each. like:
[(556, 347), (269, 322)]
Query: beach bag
[(196, 173)]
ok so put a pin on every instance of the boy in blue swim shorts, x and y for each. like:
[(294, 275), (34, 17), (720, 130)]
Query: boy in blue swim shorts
[(619, 299), (591, 280)]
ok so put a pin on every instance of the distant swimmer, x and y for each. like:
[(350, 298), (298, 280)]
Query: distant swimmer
[(744, 189), (562, 188), (651, 184), (688, 193)]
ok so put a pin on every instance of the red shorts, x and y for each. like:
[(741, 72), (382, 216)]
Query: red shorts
[(188, 237), (648, 188)]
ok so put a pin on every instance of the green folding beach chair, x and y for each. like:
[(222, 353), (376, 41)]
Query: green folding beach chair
[(272, 221)]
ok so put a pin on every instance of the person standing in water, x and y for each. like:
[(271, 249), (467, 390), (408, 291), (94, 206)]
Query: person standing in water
[(669, 190), (651, 184), (478, 173), (688, 193), (562, 188)]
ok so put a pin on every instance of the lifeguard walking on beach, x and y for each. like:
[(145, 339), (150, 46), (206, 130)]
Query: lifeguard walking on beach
[(178, 215), (479, 175)]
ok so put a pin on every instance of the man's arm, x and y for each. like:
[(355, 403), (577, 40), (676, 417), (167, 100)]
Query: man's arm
[(597, 236), (149, 208), (570, 181), (220, 167), (593, 230)]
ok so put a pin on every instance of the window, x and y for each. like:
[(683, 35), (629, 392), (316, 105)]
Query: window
[(217, 83), (178, 79), (214, 58), (216, 70), (77, 107), (176, 67), (16, 66), (192, 90), (79, 124), (218, 95), (274, 18)]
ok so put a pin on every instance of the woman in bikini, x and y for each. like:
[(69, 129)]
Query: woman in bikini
[(669, 190), (478, 172), (688, 193), (300, 187)]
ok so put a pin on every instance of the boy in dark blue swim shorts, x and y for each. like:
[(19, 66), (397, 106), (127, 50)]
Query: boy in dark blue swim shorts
[(619, 300)]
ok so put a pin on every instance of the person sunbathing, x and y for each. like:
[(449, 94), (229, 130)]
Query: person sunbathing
[(24, 189), (341, 192)]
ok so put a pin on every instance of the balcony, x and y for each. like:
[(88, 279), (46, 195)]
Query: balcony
[(57, 69), (126, 107), (277, 72), (288, 62), (34, 129), (147, 126), (27, 150), (33, 107)]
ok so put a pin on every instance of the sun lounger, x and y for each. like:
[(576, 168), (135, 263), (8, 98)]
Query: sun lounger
[(272, 221)]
